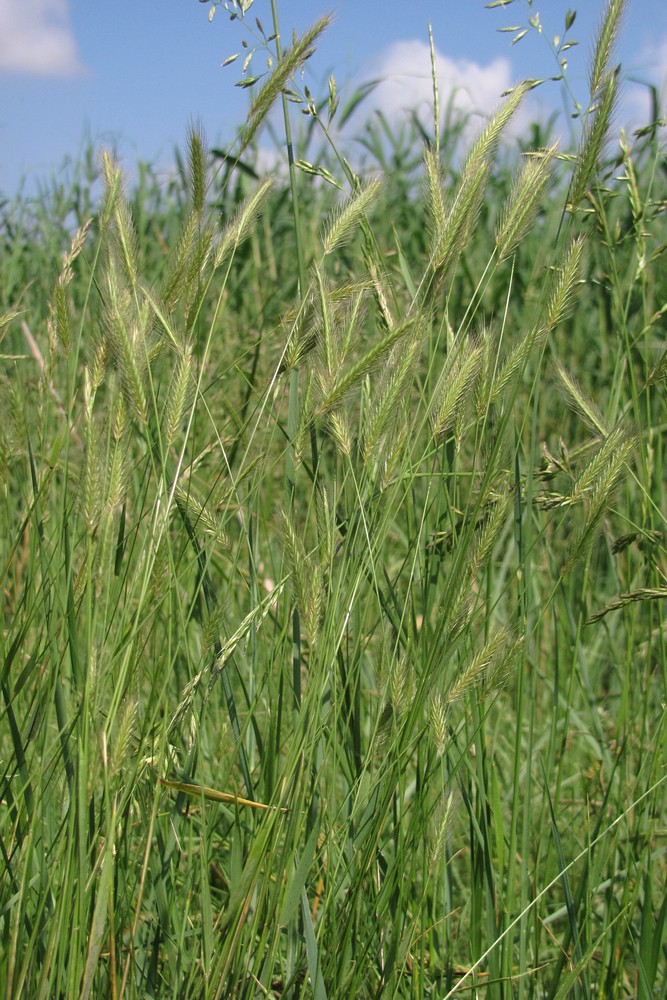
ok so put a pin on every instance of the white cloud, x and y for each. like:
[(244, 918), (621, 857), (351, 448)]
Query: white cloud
[(405, 71), (636, 104), (36, 37), (467, 88), (653, 59), (635, 107), (271, 160)]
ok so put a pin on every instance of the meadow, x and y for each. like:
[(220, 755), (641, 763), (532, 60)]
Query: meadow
[(332, 540)]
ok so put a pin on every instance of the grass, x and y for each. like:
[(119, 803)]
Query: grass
[(333, 566)]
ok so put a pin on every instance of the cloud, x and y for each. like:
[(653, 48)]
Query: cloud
[(647, 71), (636, 107), (405, 71), (36, 38), (468, 88), (653, 58)]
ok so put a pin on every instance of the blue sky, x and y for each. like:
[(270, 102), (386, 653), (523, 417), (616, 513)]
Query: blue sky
[(132, 73)]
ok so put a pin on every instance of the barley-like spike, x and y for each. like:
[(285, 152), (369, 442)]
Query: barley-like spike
[(178, 396), (593, 140), (327, 353), (198, 275), (595, 469), (461, 219), (163, 325), (123, 736), (326, 527), (439, 837), (395, 447), (482, 665), (210, 674), (455, 385), (203, 516), (61, 317), (192, 279), (514, 363), (174, 282), (212, 627), (344, 220), (117, 476), (457, 612), (486, 144), (98, 363), (336, 334), (604, 45), (112, 189), (374, 267), (292, 60), (75, 249), (125, 238), (241, 225), (400, 684), (160, 581), (302, 338), (344, 382), (197, 163), (483, 385), (307, 580), (465, 208), (339, 430), (601, 498), (493, 526), (118, 418), (523, 204), (59, 309), (130, 374), (659, 370), (503, 664), (295, 558), (313, 607), (642, 594), (566, 278), (90, 486), (578, 400), (385, 404), (438, 723), (436, 213), (350, 323), (200, 256)]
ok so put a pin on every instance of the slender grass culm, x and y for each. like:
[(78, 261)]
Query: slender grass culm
[(333, 660)]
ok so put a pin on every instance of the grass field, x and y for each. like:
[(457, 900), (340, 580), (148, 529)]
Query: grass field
[(332, 536)]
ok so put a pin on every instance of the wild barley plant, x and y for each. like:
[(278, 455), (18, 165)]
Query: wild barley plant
[(298, 688)]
